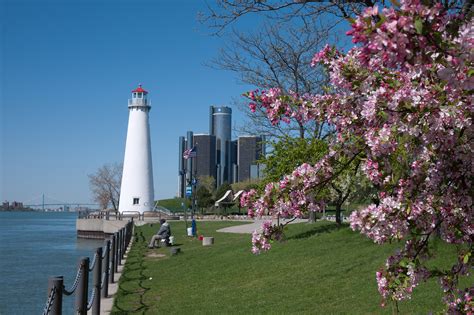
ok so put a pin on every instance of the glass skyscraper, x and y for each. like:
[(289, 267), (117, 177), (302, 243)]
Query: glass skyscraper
[(220, 126), (217, 155)]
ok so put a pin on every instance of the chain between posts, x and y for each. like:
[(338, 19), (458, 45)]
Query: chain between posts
[(92, 265), (49, 302), (74, 285), (102, 281), (104, 264), (91, 301)]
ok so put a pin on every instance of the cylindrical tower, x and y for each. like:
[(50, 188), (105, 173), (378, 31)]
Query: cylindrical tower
[(220, 125), (137, 192)]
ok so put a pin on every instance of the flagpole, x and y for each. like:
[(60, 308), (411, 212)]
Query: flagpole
[(194, 185)]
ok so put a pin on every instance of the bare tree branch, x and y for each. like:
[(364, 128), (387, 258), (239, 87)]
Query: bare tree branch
[(105, 185), (275, 57), (223, 13)]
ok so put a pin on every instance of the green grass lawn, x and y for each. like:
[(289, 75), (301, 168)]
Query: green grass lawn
[(173, 204), (319, 269)]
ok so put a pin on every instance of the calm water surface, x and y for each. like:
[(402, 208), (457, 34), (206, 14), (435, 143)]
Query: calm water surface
[(34, 246)]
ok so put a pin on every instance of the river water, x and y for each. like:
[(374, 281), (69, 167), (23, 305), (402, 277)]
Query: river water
[(34, 246)]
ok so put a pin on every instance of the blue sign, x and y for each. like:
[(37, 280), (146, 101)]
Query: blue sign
[(194, 181), (189, 191)]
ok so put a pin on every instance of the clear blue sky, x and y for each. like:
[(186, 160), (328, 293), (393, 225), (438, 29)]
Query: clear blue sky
[(67, 69)]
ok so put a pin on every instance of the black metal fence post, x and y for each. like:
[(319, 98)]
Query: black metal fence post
[(120, 246), (106, 267), (124, 248), (56, 283), (82, 289), (112, 259), (116, 249), (127, 232), (106, 261), (97, 281), (129, 228)]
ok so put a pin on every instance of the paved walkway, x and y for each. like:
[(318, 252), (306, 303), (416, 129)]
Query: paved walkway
[(106, 304), (254, 226)]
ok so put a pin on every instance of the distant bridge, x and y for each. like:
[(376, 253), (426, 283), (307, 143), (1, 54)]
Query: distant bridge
[(45, 201)]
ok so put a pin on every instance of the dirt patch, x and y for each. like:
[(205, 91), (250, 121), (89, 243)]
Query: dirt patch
[(156, 255)]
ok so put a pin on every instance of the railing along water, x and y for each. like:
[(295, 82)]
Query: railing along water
[(104, 265), (158, 211)]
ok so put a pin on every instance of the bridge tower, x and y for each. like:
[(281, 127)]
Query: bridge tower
[(137, 192)]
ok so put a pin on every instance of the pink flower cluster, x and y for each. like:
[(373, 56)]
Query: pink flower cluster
[(381, 223), (401, 104), (371, 169), (261, 241), (282, 108), (399, 280), (401, 33), (462, 303)]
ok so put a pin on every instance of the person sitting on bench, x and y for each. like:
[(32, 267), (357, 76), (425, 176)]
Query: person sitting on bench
[(163, 233)]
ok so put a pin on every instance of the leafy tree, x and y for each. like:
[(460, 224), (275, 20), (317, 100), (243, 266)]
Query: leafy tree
[(288, 153), (245, 185), (204, 198), (400, 103), (208, 182), (349, 186), (105, 185)]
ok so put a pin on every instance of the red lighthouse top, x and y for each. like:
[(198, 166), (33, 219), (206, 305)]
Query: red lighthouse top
[(139, 89)]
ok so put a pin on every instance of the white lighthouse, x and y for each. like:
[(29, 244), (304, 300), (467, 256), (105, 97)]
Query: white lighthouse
[(136, 193)]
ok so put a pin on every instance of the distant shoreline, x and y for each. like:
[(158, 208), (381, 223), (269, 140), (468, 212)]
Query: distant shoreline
[(17, 210)]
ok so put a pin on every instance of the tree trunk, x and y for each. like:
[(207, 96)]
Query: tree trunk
[(312, 217), (338, 213)]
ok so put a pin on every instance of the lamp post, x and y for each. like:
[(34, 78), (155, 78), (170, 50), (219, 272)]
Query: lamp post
[(183, 205), (191, 194), (191, 180)]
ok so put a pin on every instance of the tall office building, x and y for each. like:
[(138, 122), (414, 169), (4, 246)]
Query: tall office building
[(250, 149), (185, 166), (219, 156), (220, 126), (205, 160), (203, 164), (233, 160)]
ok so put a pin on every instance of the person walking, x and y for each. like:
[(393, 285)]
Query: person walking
[(163, 233)]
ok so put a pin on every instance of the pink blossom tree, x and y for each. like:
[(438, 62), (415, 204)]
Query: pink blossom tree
[(401, 105)]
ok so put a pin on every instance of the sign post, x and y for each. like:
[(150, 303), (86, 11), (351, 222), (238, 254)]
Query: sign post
[(189, 191)]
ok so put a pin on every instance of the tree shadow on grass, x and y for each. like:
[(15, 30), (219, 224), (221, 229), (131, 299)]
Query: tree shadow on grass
[(135, 262), (140, 238), (320, 229)]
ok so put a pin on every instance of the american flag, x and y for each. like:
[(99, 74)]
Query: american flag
[(189, 153)]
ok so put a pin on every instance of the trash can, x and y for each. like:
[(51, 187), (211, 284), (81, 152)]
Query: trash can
[(190, 231)]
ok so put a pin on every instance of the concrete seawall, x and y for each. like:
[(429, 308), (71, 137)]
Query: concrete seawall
[(98, 228)]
